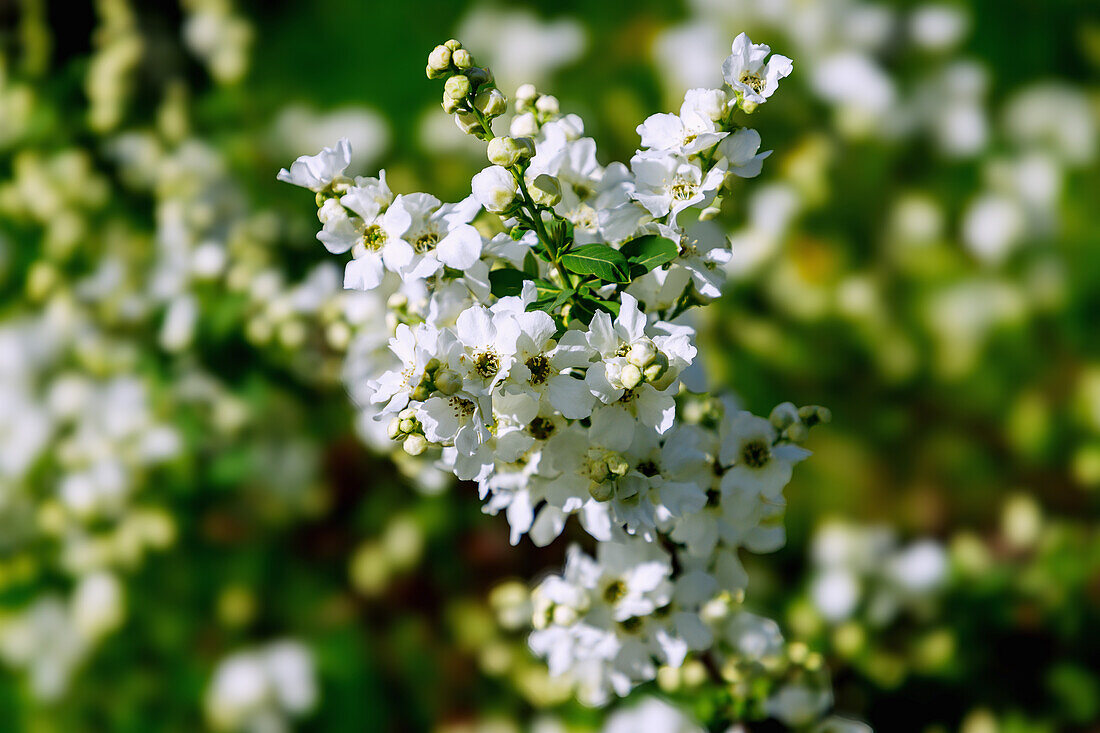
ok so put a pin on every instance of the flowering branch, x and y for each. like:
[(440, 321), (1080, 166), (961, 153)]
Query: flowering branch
[(547, 363)]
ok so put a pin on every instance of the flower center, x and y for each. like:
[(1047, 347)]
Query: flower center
[(615, 591), (540, 368), (648, 468), (541, 428), (374, 237), (753, 81), (426, 241), (755, 453), (629, 396), (462, 408), (631, 625), (487, 364), (682, 189)]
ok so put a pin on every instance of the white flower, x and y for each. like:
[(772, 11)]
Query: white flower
[(739, 149), (758, 466), (487, 348), (494, 188), (667, 183), (745, 71), (317, 172), (434, 235), (694, 130)]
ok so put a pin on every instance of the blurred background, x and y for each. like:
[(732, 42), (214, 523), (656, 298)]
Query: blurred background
[(198, 531)]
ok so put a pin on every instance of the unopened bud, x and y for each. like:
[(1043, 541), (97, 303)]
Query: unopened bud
[(407, 414), (524, 125), (457, 87), (748, 107), (547, 104), (601, 490), (453, 45), (546, 190), (564, 616), (630, 376), (421, 393), (467, 121), (406, 425), (393, 430), (432, 366), (448, 382), (439, 60), (798, 432), (504, 151), (462, 59), (642, 353), (525, 95), (397, 301), (479, 76), (783, 416), (617, 465), (490, 102), (415, 444), (658, 373)]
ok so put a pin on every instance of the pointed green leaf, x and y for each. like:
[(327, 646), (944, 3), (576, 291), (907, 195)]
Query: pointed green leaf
[(600, 260), (648, 252)]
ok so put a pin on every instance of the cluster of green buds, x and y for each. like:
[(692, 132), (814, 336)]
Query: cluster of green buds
[(468, 91), (408, 430), (794, 423), (644, 363), (603, 467), (533, 110)]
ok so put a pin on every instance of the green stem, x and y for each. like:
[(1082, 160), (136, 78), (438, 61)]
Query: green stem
[(533, 209)]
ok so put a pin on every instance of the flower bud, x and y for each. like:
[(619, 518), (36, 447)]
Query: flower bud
[(462, 59), (439, 61), (457, 87), (564, 616), (494, 188), (421, 393), (658, 373), (798, 432), (783, 416), (524, 125), (547, 105), (432, 366), (407, 414), (393, 430), (601, 490), (490, 102), (617, 465), (546, 190), (503, 151), (406, 425), (642, 353), (479, 76), (630, 376), (415, 444), (448, 382), (467, 122), (526, 95), (453, 45)]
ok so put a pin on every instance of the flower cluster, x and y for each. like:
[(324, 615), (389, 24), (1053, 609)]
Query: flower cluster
[(540, 349)]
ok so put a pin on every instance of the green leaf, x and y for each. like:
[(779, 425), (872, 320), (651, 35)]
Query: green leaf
[(506, 281), (545, 289), (585, 308), (553, 302), (600, 260), (648, 252), (531, 265)]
